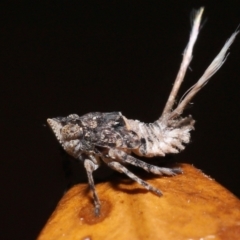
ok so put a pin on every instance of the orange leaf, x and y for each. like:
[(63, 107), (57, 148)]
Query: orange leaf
[(193, 207)]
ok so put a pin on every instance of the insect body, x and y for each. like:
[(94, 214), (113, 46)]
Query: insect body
[(111, 138)]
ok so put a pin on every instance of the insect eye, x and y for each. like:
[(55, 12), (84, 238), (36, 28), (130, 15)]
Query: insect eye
[(71, 131)]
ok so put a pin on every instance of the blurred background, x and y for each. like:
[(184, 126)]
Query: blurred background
[(61, 57)]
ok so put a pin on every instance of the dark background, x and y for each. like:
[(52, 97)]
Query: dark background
[(62, 57)]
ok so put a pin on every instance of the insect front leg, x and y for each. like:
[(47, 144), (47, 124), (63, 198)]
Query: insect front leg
[(125, 158), (90, 166), (120, 168)]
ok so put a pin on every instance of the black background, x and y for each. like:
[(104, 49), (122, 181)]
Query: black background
[(63, 57)]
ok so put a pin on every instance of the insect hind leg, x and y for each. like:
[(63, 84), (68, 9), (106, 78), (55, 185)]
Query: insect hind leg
[(120, 168), (125, 158)]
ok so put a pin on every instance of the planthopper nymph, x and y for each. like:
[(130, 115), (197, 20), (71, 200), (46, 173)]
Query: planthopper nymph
[(111, 138)]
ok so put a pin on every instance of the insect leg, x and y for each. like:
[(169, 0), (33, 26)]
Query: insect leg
[(125, 158), (120, 168), (90, 167)]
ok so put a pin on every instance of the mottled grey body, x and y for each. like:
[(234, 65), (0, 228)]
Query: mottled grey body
[(111, 138)]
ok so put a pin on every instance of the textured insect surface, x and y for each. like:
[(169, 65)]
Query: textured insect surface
[(111, 138)]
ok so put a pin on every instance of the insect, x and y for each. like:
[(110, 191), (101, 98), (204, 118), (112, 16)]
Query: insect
[(111, 137)]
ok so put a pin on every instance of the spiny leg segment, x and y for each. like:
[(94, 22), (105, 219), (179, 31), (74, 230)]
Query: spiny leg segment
[(90, 167), (125, 158), (120, 168)]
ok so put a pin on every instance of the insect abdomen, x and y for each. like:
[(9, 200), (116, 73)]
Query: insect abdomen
[(158, 139)]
